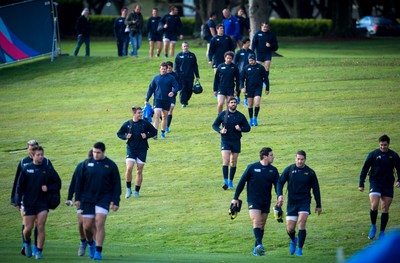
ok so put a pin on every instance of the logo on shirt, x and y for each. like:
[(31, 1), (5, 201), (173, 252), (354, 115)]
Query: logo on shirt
[(30, 171), (257, 170), (106, 166), (90, 164)]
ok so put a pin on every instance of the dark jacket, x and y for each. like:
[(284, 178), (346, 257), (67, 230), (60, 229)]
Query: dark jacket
[(83, 26)]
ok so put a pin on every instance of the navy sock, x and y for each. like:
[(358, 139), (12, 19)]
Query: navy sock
[(258, 235), (99, 249), (373, 215), (256, 111), (232, 173), (250, 112), (292, 235), (302, 237), (169, 119), (137, 188), (35, 234), (128, 184), (384, 220), (225, 171)]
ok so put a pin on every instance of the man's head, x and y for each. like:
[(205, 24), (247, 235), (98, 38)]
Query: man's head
[(229, 57), (173, 10), (185, 47), (30, 145), (232, 104), (213, 15), (98, 151), (220, 29), (301, 159), (246, 43), (264, 26), (138, 8), (154, 11), (226, 13), (137, 113), (170, 66), (384, 142), (252, 59), (163, 68), (267, 154), (38, 155), (124, 11)]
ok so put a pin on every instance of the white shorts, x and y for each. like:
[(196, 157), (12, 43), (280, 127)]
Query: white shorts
[(136, 160)]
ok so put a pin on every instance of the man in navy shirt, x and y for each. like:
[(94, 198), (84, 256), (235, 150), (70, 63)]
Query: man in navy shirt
[(136, 133), (252, 78), (153, 35), (172, 25), (36, 180), (380, 165), (230, 124), (264, 43), (98, 189), (164, 86), (186, 68), (121, 33), (260, 177), (219, 45), (301, 179)]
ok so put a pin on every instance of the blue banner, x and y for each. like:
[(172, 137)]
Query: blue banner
[(26, 30)]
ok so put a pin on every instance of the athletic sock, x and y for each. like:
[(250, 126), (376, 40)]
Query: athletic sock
[(250, 112), (22, 231), (292, 235), (302, 237), (128, 184), (169, 119), (137, 188), (373, 215), (35, 234), (384, 220), (225, 172), (256, 111), (232, 173), (99, 249), (258, 235), (90, 243)]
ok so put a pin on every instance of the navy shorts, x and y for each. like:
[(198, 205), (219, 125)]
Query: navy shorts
[(162, 104), (132, 154), (233, 146), (173, 100), (152, 37), (382, 189), (294, 209), (254, 93), (225, 91), (264, 57), (263, 207), (170, 37), (34, 210), (90, 208)]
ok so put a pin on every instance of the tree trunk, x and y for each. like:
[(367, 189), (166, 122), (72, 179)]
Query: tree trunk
[(258, 12), (342, 22)]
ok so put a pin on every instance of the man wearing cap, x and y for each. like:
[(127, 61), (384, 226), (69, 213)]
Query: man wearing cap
[(136, 132), (251, 81), (31, 144)]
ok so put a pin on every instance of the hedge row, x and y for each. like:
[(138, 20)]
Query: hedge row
[(102, 26)]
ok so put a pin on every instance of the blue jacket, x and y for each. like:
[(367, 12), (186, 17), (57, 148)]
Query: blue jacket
[(161, 85)]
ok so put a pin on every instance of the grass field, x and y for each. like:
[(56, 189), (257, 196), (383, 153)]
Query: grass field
[(332, 99)]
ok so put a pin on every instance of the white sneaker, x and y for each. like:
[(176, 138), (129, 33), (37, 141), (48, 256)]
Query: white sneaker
[(128, 193)]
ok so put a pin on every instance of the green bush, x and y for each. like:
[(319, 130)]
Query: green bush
[(102, 26), (301, 27)]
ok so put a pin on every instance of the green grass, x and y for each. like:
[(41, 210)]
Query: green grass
[(332, 99)]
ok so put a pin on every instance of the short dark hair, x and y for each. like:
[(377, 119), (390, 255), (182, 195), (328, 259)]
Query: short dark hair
[(99, 145), (163, 64), (169, 64), (384, 138), (37, 148), (213, 13), (219, 25), (229, 53), (301, 152), (265, 152), (246, 40), (135, 108), (232, 98)]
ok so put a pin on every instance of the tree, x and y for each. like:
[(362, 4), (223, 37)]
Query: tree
[(258, 11), (342, 22)]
